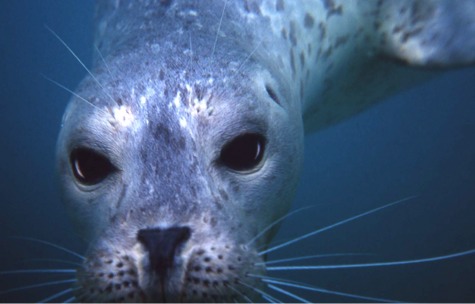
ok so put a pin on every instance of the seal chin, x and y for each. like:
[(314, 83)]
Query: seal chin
[(206, 271)]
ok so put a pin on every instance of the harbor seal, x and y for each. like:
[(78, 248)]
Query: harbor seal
[(183, 146)]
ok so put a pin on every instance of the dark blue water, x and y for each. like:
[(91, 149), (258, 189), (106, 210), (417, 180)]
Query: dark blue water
[(420, 142)]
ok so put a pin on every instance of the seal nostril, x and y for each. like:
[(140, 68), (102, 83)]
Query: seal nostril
[(162, 246)]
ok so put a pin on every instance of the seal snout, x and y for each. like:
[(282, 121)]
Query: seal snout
[(163, 246)]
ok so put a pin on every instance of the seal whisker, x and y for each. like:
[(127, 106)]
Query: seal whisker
[(262, 232), (269, 299), (31, 271), (320, 230), (80, 61), (103, 60), (307, 257), (378, 264), (219, 28), (51, 283), (241, 294), (73, 93), (288, 293), (49, 244), (301, 285), (262, 293), (52, 260), (56, 295), (247, 58), (70, 300), (190, 59)]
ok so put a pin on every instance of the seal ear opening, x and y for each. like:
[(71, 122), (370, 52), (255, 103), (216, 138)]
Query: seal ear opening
[(90, 167), (272, 94)]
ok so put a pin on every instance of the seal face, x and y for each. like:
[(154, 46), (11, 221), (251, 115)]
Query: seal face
[(182, 148), (171, 162)]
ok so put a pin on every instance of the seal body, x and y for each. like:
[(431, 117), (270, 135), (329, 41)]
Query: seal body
[(182, 148)]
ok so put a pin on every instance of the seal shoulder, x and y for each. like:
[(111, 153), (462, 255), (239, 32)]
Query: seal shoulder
[(404, 42)]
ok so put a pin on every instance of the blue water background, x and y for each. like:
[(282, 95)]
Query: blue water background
[(420, 142)]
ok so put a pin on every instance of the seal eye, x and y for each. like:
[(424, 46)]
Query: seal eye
[(243, 152), (90, 167)]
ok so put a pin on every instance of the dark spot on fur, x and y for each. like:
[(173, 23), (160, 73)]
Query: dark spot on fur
[(224, 196), (342, 40), (323, 30), (327, 53), (293, 34), (331, 8), (162, 133), (279, 5), (198, 92), (302, 58), (108, 289), (252, 7), (284, 33), (308, 21), (292, 62), (166, 3)]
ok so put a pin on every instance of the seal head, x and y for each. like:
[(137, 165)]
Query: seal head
[(172, 165)]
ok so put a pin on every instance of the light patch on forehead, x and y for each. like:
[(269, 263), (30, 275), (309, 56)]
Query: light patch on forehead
[(177, 99), (183, 122), (123, 115), (149, 92)]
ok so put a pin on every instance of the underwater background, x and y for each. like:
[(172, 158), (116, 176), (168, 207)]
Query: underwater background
[(420, 142)]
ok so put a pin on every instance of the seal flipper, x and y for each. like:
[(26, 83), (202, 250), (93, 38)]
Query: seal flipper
[(432, 33)]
